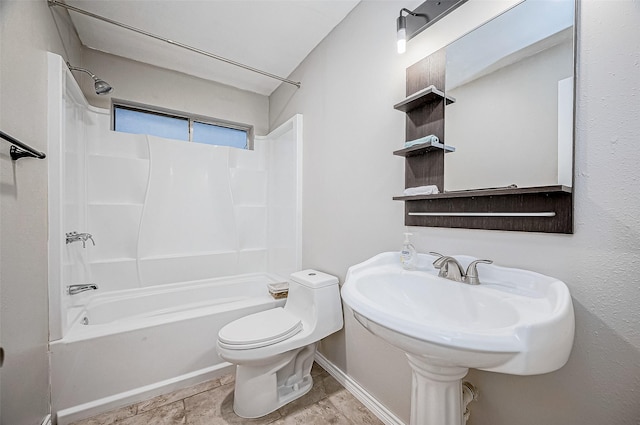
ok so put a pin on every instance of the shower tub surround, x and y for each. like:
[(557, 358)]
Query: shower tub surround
[(168, 218)]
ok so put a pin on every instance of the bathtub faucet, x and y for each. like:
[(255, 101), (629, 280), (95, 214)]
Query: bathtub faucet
[(76, 289), (75, 237)]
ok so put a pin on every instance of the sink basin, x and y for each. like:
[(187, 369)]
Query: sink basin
[(516, 321)]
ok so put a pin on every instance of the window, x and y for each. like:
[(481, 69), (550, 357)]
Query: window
[(212, 134), (180, 126), (142, 122)]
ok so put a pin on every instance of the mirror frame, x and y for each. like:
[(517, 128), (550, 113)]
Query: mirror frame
[(547, 209)]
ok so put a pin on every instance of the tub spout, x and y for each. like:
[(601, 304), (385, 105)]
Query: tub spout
[(76, 289)]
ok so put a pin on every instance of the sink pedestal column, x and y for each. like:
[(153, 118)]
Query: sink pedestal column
[(436, 393)]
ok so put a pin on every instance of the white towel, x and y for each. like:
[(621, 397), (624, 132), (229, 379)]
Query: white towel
[(421, 141), (421, 190)]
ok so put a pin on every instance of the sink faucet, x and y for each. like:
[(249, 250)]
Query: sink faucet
[(75, 237), (76, 289), (451, 269)]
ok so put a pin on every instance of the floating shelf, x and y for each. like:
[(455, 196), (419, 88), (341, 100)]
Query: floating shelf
[(422, 97), (532, 209), (539, 190), (424, 148)]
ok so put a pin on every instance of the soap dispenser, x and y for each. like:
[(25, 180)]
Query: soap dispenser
[(408, 254)]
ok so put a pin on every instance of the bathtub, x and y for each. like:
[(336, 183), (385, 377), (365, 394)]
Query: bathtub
[(127, 346)]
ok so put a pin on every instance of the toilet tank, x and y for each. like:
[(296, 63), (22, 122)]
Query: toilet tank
[(313, 279), (314, 296)]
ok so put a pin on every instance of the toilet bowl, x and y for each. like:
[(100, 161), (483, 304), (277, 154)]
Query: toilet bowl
[(274, 350)]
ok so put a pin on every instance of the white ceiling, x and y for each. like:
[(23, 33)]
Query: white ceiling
[(271, 35)]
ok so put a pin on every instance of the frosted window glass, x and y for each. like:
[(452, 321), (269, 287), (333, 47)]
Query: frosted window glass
[(216, 135), (138, 122)]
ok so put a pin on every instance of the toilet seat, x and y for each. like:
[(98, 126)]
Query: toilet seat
[(259, 330)]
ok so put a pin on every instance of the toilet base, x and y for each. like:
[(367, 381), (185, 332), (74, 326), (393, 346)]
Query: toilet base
[(288, 394), (262, 389)]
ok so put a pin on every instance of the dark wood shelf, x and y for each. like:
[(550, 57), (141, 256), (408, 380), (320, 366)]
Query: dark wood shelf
[(422, 97), (546, 209), (539, 190), (424, 148)]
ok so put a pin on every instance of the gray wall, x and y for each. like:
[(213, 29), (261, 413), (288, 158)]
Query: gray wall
[(151, 85), (27, 30), (349, 84)]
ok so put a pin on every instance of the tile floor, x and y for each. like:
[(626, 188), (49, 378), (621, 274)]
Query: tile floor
[(211, 403)]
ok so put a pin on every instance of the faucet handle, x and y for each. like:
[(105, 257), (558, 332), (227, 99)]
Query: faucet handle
[(70, 236), (438, 261), (472, 272), (85, 237)]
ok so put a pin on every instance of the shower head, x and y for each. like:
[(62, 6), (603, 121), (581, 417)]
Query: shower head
[(101, 87)]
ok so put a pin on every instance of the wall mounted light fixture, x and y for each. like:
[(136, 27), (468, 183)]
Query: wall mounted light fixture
[(401, 24), (425, 15)]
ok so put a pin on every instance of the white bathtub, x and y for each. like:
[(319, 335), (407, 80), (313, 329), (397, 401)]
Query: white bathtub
[(139, 343)]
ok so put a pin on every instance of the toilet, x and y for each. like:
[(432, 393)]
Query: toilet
[(274, 349)]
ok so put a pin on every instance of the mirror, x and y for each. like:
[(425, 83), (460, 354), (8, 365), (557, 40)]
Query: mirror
[(513, 116)]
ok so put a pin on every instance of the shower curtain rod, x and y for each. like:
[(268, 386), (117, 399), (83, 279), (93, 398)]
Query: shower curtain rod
[(172, 42)]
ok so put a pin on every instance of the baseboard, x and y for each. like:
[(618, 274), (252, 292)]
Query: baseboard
[(47, 420), (87, 410), (358, 392)]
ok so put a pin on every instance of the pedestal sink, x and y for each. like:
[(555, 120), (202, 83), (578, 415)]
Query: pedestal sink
[(516, 321)]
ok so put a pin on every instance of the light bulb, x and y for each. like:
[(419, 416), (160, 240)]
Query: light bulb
[(402, 42), (402, 34)]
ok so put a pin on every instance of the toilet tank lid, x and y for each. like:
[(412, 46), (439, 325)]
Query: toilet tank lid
[(313, 278)]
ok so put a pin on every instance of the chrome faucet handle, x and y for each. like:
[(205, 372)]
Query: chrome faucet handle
[(438, 262), (472, 272), (75, 237), (437, 254), (71, 237), (84, 237)]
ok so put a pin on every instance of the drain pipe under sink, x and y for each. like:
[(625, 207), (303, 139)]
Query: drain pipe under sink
[(469, 394)]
